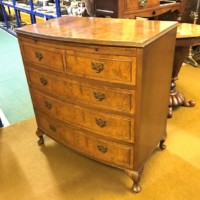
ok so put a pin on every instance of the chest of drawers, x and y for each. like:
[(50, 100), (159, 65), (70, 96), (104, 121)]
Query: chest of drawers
[(100, 92)]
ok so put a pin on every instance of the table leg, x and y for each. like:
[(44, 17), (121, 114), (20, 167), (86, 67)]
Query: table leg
[(177, 98), (190, 60)]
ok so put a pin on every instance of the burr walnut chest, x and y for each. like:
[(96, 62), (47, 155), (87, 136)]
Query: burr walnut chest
[(101, 86)]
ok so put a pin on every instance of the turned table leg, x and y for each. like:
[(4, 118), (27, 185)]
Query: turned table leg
[(190, 60), (177, 98)]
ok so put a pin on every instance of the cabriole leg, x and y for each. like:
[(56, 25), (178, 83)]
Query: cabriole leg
[(135, 176), (162, 146)]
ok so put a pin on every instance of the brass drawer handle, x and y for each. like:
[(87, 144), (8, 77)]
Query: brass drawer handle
[(142, 3), (43, 80), (102, 148), (52, 128), (101, 123), (38, 55), (99, 96), (48, 105), (97, 66)]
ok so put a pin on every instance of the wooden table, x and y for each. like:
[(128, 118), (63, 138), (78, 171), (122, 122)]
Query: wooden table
[(187, 35)]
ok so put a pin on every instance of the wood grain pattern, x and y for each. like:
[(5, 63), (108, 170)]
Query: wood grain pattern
[(113, 153), (104, 124), (103, 93), (44, 57), (120, 100), (110, 68), (111, 32)]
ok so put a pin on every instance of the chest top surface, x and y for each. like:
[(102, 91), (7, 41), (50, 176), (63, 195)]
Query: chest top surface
[(102, 31)]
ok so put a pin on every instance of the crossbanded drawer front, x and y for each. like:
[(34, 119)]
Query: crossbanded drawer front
[(121, 100), (111, 152), (50, 126), (55, 128), (118, 69), (113, 126), (107, 151), (47, 58)]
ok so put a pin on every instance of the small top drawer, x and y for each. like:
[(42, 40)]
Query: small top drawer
[(43, 56), (112, 68)]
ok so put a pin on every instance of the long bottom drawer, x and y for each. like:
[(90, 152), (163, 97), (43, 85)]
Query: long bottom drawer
[(112, 153)]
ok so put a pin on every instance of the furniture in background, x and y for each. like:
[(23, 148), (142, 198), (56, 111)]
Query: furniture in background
[(194, 15), (187, 35), (98, 8), (191, 10), (189, 14), (136, 8), (100, 92)]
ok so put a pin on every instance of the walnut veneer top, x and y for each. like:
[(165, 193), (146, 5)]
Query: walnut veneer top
[(107, 31)]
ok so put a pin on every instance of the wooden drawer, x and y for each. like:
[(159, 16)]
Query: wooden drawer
[(106, 151), (110, 152), (49, 126), (131, 5), (54, 128), (120, 69), (44, 56), (99, 96), (113, 126)]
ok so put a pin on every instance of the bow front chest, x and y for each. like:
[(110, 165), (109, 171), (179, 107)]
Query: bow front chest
[(101, 86)]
